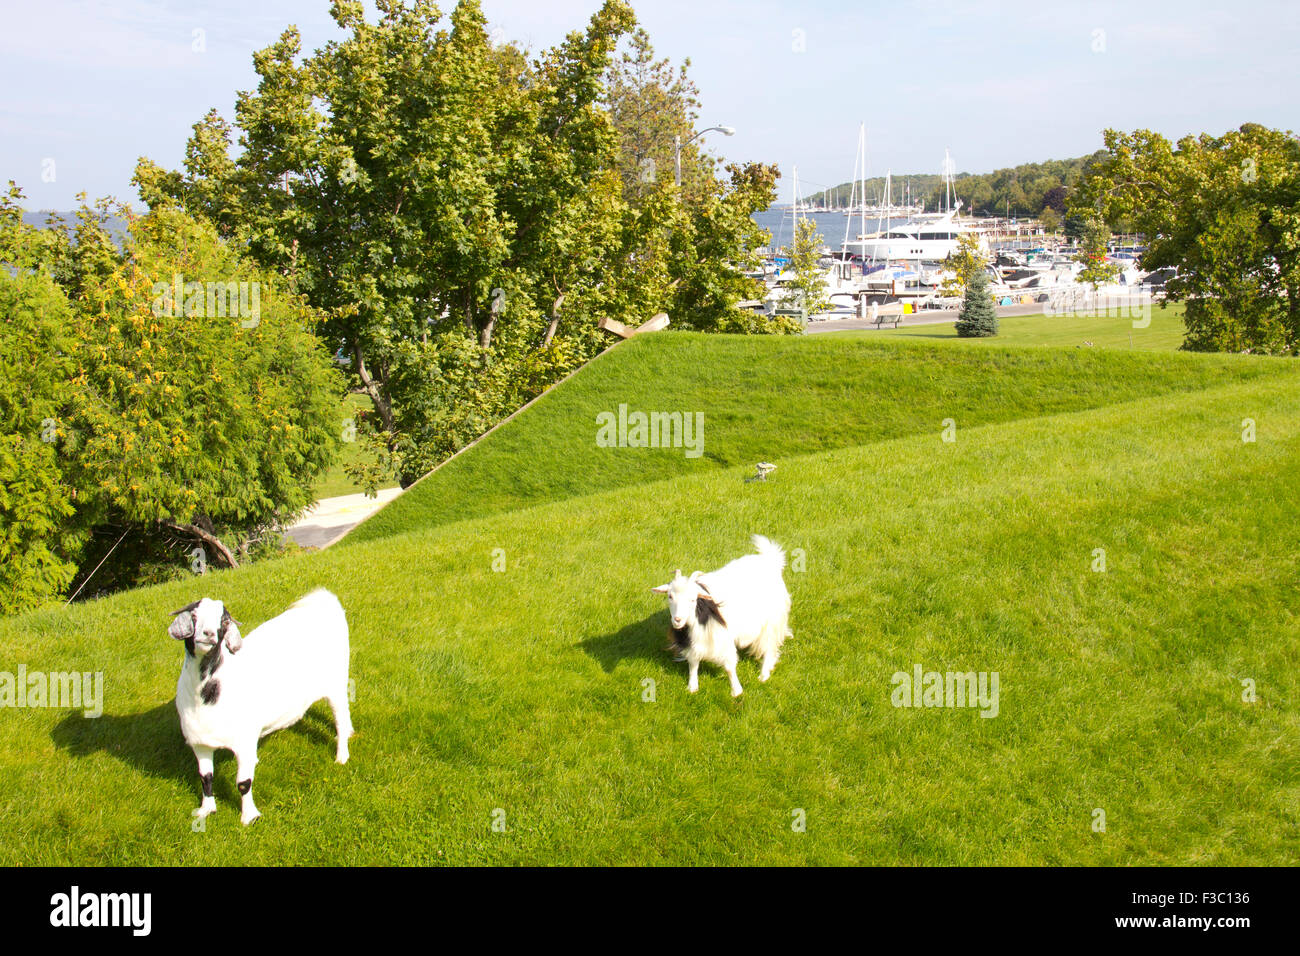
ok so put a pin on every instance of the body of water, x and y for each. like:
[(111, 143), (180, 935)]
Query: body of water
[(780, 223)]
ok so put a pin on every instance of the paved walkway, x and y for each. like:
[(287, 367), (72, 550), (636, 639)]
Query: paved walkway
[(839, 322), (332, 518), (843, 321)]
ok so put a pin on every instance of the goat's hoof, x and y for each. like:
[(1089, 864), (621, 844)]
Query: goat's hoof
[(249, 818), (342, 757)]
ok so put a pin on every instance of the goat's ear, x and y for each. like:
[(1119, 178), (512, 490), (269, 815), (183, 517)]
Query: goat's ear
[(706, 607), (662, 589), (182, 627), (695, 575), (230, 632)]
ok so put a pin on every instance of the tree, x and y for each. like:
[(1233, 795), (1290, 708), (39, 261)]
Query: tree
[(39, 538), (176, 411), (691, 245), (1225, 212), (1092, 255), (651, 105), (978, 317), (425, 190), (1050, 218), (961, 265), (1055, 197), (211, 407), (809, 285)]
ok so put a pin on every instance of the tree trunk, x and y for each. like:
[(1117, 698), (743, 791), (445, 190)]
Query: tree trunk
[(485, 335), (382, 406), (555, 321)]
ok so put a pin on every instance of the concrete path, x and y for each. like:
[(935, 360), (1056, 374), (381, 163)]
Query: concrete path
[(331, 518), (842, 322)]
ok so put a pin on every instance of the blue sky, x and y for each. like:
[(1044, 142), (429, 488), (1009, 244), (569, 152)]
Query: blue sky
[(90, 86)]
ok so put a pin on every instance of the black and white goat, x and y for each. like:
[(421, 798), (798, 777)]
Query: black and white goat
[(741, 606), (233, 690)]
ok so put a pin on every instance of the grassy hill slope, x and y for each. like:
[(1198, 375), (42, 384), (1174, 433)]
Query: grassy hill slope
[(766, 398), (541, 695)]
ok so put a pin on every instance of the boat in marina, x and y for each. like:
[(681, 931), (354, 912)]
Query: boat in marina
[(918, 240)]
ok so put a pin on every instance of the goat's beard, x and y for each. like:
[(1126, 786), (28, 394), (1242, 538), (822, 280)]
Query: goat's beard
[(679, 641)]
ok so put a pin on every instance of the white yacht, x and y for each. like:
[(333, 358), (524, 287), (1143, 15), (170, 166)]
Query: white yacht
[(923, 240)]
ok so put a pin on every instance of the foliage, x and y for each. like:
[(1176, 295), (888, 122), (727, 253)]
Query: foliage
[(179, 401), (1092, 255), (652, 105), (1022, 190), (961, 264), (1225, 212), (809, 286), (39, 540), (210, 405), (977, 318)]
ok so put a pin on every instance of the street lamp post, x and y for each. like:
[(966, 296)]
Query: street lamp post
[(678, 144)]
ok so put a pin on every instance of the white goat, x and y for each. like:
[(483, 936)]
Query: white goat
[(233, 691), (741, 606)]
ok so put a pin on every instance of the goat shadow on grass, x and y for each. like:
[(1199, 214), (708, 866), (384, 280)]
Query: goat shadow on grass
[(152, 743), (646, 639)]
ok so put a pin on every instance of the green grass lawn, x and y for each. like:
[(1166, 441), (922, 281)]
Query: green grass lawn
[(521, 695), (1162, 330), (764, 399)]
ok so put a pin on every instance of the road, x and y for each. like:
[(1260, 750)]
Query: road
[(331, 518)]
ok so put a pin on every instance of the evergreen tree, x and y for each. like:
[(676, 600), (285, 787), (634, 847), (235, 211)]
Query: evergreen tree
[(977, 318)]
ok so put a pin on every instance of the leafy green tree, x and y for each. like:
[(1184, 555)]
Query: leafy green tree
[(961, 264), (210, 405), (1224, 212), (691, 246), (180, 401), (809, 285), (651, 105), (978, 317), (39, 538), (422, 187), (1092, 255), (1050, 218)]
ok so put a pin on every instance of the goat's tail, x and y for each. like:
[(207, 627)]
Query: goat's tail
[(771, 550)]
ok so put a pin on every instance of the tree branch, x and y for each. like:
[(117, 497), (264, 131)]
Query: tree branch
[(555, 321), (209, 539)]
